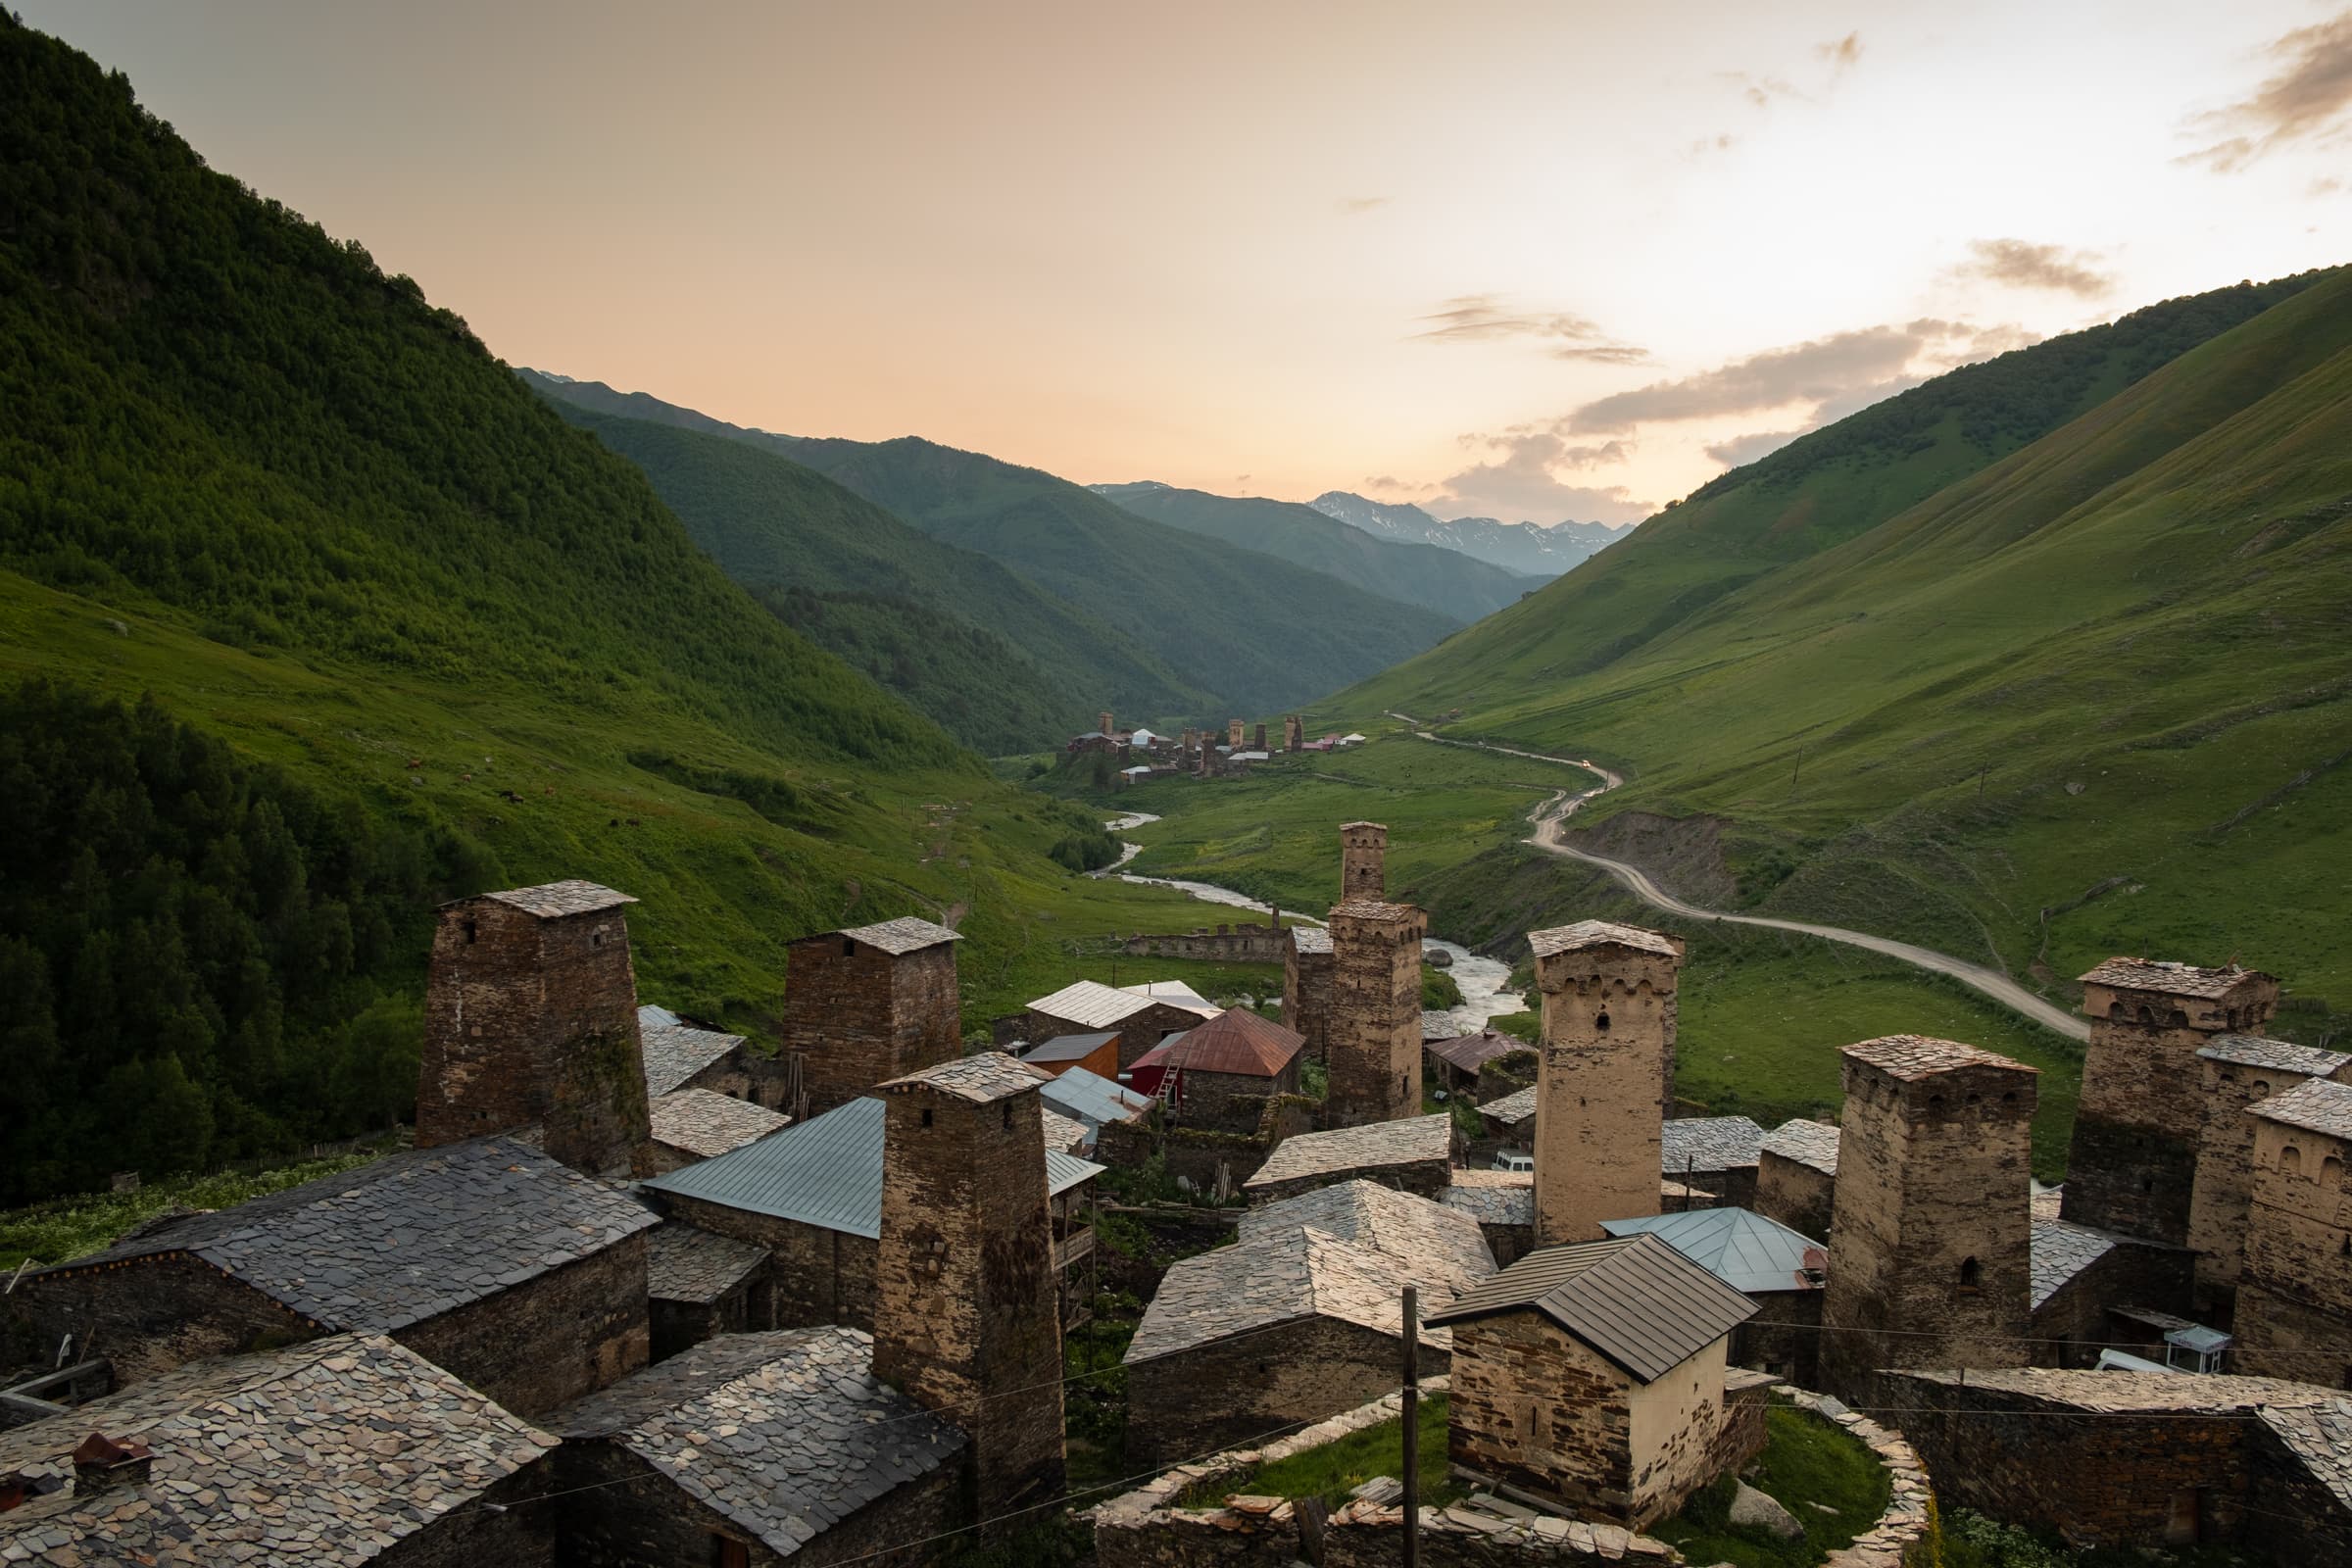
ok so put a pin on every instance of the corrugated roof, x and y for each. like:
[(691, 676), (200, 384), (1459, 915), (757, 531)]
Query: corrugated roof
[(825, 1173), (2170, 979), (1070, 1047), (1637, 1301), (2277, 1055), (1808, 1143), (1708, 1144), (1176, 994), (1600, 934), (1094, 1098), (2316, 1106), (554, 900), (1470, 1052), (906, 934), (1235, 1041), (1092, 1004), (1752, 1255)]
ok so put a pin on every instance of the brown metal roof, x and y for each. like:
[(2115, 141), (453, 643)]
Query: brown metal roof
[(1469, 1053), (1235, 1041), (1637, 1301)]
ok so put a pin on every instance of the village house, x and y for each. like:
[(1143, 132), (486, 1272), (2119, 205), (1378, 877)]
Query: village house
[(755, 1449), (1594, 1374), (870, 1003), (1417, 1154), (1299, 1319), (1715, 1155), (1098, 1103), (1089, 1006), (1796, 1172), (2095, 1291), (1222, 1072), (699, 1284), (488, 1257), (1772, 1265), (348, 1449), (2239, 1072), (1504, 1202), (1456, 1061), (2294, 1303), (1097, 1052), (682, 1056), (691, 1124)]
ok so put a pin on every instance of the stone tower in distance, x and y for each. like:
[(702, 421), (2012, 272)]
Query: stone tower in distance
[(530, 1015), (2134, 1162), (1372, 1037), (1363, 862), (1931, 1228), (967, 1309), (1607, 1060)]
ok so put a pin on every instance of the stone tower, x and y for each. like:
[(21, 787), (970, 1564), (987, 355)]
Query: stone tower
[(2241, 1073), (2134, 1162), (1608, 1047), (1233, 733), (1293, 732), (2294, 1303), (1257, 737), (530, 1015), (966, 1298), (872, 1002), (1930, 1225), (1363, 860), (1373, 1039), (1306, 988), (1102, 721)]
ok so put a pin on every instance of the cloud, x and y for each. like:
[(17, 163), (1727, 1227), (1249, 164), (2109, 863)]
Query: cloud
[(2015, 264), (1806, 373), (2304, 100), (1352, 206), (1741, 449), (1842, 54), (1483, 317), (1520, 483)]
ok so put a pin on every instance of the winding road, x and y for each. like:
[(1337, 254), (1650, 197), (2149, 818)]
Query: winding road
[(1551, 821)]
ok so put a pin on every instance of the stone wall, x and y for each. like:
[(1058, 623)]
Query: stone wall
[(1536, 1410), (552, 1339), (813, 1276), (1231, 1101), (1200, 1155), (2294, 1517), (1784, 1338), (2072, 1325), (1610, 1025), (151, 1315), (1247, 943), (1507, 1074), (2294, 1305), (1795, 1194), (857, 1015), (1239, 1390), (1307, 997), (681, 1325), (505, 1524), (1374, 1042)]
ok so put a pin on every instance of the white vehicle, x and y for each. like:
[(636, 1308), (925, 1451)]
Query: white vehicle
[(1512, 1161)]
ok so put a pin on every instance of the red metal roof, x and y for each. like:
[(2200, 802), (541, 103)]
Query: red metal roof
[(1235, 1041)]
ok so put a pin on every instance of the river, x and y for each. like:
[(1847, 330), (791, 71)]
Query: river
[(1484, 981)]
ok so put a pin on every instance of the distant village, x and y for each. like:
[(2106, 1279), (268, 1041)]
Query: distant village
[(641, 1294), (1139, 754)]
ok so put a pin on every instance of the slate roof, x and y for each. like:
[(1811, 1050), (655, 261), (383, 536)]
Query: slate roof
[(686, 1265), (2061, 1251), (982, 1078), (1278, 1277), (825, 1173), (327, 1453), (2319, 1435), (1311, 938), (1515, 1106), (1093, 1004), (1470, 1052), (2279, 1056), (1235, 1041), (1444, 1244), (704, 1123), (1070, 1047), (1600, 934), (1752, 1255), (1092, 1099), (2169, 979), (1379, 910), (1808, 1143), (1409, 1142), (552, 900), (1064, 1134), (2315, 1106), (2205, 1393), (903, 934), (409, 1237), (1634, 1299), (676, 1052), (1913, 1057), (1495, 1197), (786, 1434), (1709, 1144)]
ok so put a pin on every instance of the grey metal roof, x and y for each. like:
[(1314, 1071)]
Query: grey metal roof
[(2167, 978), (2061, 1251), (1634, 1299), (906, 934), (1752, 1255), (825, 1173), (676, 1051), (1709, 1144), (1070, 1047), (2279, 1056), (1176, 994), (1601, 933), (1092, 1099), (686, 1265), (1092, 1004), (1808, 1143), (785, 1432), (556, 900), (405, 1238), (2316, 1106)]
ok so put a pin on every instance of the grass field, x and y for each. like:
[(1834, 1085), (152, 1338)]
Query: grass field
[(1808, 1465), (1336, 1468)]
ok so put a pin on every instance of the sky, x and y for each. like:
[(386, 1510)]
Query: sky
[(1523, 260)]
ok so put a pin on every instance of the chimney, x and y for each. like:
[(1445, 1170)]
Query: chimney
[(102, 1466), (1102, 721)]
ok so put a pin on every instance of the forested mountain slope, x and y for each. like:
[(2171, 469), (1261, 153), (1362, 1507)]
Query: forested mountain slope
[(1444, 580), (998, 662), (2089, 699)]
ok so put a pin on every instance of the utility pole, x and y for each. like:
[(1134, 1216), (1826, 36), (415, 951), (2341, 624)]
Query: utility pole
[(1412, 1427)]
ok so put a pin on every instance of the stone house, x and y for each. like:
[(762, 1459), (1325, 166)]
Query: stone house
[(2093, 1290), (1594, 1374), (1715, 1155), (810, 1197), (1088, 1007), (1221, 1074), (1779, 1269), (699, 1284), (1097, 1052), (1796, 1174), (683, 1056), (2239, 1072), (757, 1449), (1096, 1102), (868, 1003), (1299, 1319), (290, 1456), (487, 1257), (1504, 1202), (1457, 1062), (1306, 986), (691, 1124), (1510, 1121), (2294, 1303), (1417, 1154)]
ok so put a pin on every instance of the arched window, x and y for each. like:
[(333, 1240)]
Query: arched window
[(2331, 1171), (1967, 1273), (1600, 1021), (2290, 1161)]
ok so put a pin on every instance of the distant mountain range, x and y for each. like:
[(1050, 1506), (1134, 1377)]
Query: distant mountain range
[(1527, 548)]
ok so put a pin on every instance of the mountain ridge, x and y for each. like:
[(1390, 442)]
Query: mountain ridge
[(1529, 549)]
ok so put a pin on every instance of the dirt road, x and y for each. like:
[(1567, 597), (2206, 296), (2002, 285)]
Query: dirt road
[(1551, 821)]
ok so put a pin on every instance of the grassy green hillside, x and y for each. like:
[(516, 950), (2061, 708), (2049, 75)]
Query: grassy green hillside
[(1444, 580), (406, 635), (2089, 699), (995, 661)]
